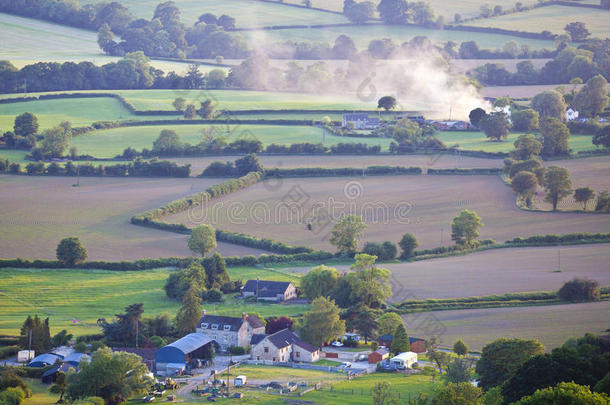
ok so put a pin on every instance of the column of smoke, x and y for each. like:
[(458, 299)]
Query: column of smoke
[(420, 79)]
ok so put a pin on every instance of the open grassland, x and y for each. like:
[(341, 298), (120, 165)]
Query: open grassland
[(37, 212), (111, 142), (27, 41), (478, 141), (233, 100), (362, 35), (248, 13), (80, 112), (551, 18), (74, 299), (466, 8), (265, 374), (391, 206), (551, 325), (437, 161), (497, 271)]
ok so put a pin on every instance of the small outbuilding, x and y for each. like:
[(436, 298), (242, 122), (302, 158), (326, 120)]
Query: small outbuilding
[(177, 355), (50, 376), (75, 358), (378, 355), (240, 381), (43, 360), (404, 360)]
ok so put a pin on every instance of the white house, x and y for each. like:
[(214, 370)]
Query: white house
[(285, 346), (359, 121), (404, 360), (227, 331), (571, 114)]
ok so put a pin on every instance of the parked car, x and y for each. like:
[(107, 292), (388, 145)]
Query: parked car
[(336, 344), (347, 364)]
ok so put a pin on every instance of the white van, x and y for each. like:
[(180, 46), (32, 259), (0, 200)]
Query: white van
[(240, 381)]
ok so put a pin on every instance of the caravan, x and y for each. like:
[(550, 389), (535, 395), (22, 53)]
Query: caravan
[(404, 360)]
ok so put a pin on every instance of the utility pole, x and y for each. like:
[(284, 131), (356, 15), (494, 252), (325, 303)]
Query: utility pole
[(559, 258), (30, 341), (258, 278), (137, 330)]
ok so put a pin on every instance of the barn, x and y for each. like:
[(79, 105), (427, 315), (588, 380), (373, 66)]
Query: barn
[(43, 360), (176, 356)]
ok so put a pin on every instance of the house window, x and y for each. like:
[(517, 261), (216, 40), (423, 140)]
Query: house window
[(266, 350), (258, 357), (215, 326), (298, 354), (204, 325), (227, 327)]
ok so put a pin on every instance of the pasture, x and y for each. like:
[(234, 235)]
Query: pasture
[(74, 299), (478, 141), (111, 142), (27, 41), (552, 325), (497, 271), (391, 206), (362, 35), (248, 13), (80, 112), (551, 18), (37, 212), (437, 161)]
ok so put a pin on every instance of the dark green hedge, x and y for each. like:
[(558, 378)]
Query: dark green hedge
[(260, 243), (143, 264), (344, 171), (553, 238), (478, 171)]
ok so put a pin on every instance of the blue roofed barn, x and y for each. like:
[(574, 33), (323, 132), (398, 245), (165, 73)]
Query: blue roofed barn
[(43, 360), (176, 356)]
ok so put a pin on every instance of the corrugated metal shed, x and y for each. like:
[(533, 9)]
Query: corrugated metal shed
[(75, 358), (45, 359), (176, 352)]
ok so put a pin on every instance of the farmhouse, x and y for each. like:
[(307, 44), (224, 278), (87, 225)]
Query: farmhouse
[(285, 346), (452, 125), (227, 331), (176, 357), (359, 121), (571, 114), (274, 291), (378, 355)]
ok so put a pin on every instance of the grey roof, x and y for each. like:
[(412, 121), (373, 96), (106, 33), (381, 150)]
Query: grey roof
[(257, 338), (64, 368), (76, 357), (266, 288), (382, 352), (221, 321), (414, 339), (356, 116), (386, 337), (255, 322), (190, 342), (45, 358), (285, 338)]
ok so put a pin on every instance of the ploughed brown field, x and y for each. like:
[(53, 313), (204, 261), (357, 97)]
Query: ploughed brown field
[(391, 206), (497, 271), (434, 161), (552, 325), (37, 212)]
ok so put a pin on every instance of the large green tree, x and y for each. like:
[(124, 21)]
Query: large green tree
[(584, 195), (370, 286), (70, 251), (502, 358), (56, 140), (167, 142), (383, 395), (346, 233), (555, 136), (525, 184), (202, 239), (114, 376), (365, 321), (190, 312), (465, 228), (322, 323), (408, 243), (387, 103), (319, 281), (496, 125), (25, 124), (460, 348), (526, 147), (557, 184), (565, 393), (388, 322), (550, 104), (577, 31), (463, 393), (393, 11), (180, 281), (525, 120), (400, 343), (592, 99)]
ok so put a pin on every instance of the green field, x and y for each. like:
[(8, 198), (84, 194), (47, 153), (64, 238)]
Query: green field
[(111, 142), (362, 35), (79, 112), (551, 18), (75, 299), (478, 141), (248, 13)]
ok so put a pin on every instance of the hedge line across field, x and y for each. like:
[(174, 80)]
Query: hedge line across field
[(343, 171)]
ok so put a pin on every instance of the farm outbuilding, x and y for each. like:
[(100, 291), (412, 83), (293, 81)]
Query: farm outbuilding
[(404, 360), (75, 358), (177, 355), (43, 360), (50, 376), (378, 356)]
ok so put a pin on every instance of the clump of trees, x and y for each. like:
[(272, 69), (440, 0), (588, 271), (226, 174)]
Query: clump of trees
[(346, 233), (211, 273), (35, 334), (70, 251), (580, 290), (465, 228)]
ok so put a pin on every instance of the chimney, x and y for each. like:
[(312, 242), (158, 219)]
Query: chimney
[(244, 316), (203, 312)]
